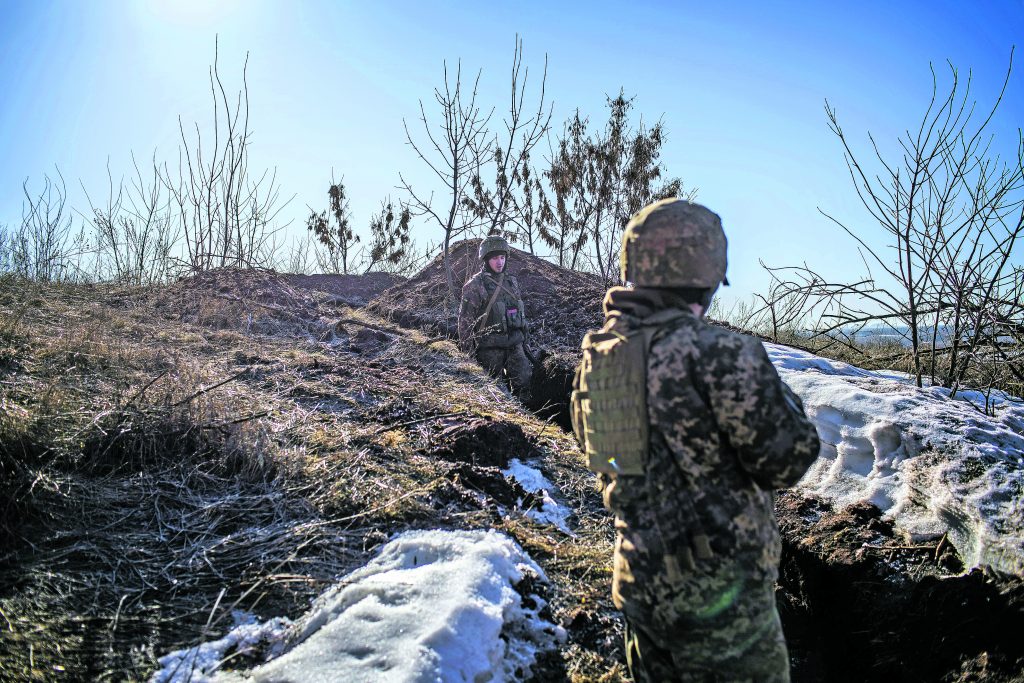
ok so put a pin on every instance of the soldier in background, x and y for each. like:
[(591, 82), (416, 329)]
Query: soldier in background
[(492, 318), (690, 429)]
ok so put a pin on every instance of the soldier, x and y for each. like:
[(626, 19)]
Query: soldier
[(492, 319), (690, 429)]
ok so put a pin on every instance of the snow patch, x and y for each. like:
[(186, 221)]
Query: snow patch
[(534, 481), (199, 664), (933, 465), (432, 606)]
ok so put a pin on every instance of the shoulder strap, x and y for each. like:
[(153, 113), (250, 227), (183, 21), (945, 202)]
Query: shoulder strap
[(482, 320), (511, 281)]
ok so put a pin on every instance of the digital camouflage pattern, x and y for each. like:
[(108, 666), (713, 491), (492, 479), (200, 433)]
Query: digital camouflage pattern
[(697, 545), (674, 243), (496, 337)]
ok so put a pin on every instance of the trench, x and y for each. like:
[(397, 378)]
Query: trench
[(897, 615), (550, 390), (901, 614)]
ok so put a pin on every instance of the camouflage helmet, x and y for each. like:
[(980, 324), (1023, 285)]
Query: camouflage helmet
[(492, 244), (674, 243)]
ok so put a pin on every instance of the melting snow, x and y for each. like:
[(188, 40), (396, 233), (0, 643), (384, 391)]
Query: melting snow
[(932, 464), (432, 606), (197, 664), (534, 481)]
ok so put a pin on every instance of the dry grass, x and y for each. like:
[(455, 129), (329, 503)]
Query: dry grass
[(159, 472)]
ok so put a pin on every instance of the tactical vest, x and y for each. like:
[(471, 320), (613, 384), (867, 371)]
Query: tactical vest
[(505, 321), (609, 416), (608, 405)]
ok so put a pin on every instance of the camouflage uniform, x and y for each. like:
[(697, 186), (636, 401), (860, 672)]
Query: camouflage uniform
[(496, 341), (724, 431)]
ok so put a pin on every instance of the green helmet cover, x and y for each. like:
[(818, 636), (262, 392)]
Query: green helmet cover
[(492, 244), (674, 243)]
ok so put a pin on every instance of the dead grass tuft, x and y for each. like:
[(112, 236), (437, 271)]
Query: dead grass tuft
[(162, 470)]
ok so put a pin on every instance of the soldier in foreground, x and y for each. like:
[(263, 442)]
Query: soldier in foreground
[(492, 319), (690, 429)]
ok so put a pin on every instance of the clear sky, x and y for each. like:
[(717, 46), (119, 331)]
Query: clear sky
[(740, 87)]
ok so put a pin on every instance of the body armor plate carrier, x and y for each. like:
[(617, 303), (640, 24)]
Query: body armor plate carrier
[(609, 398)]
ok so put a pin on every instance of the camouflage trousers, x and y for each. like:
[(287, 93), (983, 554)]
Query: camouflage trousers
[(511, 363), (751, 649)]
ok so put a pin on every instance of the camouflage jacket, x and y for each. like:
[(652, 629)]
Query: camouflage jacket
[(724, 432), (505, 323)]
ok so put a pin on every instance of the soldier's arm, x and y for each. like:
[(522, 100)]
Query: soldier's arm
[(761, 417), (469, 311)]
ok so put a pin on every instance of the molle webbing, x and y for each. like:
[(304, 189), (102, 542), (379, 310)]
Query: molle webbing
[(609, 403)]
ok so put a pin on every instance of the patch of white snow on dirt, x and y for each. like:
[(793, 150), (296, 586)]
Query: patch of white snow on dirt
[(932, 464), (534, 481), (432, 606), (198, 664)]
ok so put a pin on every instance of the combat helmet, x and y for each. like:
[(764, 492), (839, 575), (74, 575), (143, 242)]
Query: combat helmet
[(674, 243), (492, 244)]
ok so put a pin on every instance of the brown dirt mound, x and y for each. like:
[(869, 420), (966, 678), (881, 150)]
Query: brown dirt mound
[(266, 302), (561, 304), (483, 442), (351, 290), (260, 301)]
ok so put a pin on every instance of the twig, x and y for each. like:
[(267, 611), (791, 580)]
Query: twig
[(868, 546), (386, 428), (547, 422), (143, 390), (388, 504), (117, 614), (370, 325), (943, 542), (216, 604), (10, 626), (211, 388), (228, 423)]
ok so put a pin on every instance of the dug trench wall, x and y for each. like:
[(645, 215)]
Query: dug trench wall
[(232, 440), (858, 599)]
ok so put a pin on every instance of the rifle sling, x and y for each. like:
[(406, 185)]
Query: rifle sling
[(482, 320)]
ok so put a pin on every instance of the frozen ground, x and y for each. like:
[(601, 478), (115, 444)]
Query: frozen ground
[(934, 465), (534, 481), (432, 606), (442, 605)]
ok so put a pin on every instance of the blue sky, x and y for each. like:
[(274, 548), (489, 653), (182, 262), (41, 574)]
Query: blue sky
[(739, 86)]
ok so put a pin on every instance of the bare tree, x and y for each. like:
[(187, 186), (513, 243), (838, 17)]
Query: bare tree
[(296, 255), (507, 204), (44, 247), (453, 149), (134, 231), (953, 212), (226, 213), (785, 308)]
